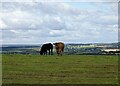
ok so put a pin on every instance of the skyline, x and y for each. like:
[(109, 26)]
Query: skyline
[(70, 22)]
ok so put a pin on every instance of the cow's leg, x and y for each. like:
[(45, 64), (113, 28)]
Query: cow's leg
[(58, 53), (49, 52), (46, 53), (61, 53)]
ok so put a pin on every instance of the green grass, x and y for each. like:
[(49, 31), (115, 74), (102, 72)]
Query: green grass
[(68, 69)]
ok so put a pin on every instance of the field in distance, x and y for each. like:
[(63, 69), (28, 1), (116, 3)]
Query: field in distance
[(68, 69)]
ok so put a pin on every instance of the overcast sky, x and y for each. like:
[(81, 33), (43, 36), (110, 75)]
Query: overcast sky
[(70, 22)]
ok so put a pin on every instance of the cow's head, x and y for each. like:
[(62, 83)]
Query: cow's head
[(55, 44), (41, 53)]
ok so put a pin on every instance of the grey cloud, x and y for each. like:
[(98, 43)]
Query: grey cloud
[(8, 35), (40, 22)]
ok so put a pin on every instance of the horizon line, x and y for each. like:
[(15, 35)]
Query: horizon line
[(53, 42)]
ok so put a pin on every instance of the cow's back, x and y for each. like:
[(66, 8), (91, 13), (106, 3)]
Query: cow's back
[(47, 46)]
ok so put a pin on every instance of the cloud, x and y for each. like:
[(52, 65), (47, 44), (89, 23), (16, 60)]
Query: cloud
[(2, 24), (60, 1), (39, 22), (57, 33)]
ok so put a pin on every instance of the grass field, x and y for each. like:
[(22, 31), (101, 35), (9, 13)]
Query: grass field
[(68, 69)]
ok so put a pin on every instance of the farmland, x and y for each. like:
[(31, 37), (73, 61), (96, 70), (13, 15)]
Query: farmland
[(68, 69)]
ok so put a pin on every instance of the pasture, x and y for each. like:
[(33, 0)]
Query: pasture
[(66, 69)]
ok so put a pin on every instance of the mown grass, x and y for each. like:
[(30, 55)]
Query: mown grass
[(68, 69)]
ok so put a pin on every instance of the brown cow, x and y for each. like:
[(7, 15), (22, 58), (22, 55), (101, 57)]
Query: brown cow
[(59, 48)]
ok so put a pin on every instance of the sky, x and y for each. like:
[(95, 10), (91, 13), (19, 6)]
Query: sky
[(69, 22)]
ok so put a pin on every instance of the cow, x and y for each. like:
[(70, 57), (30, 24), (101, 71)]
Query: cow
[(59, 48), (45, 48)]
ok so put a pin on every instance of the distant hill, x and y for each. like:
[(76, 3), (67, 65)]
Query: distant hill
[(90, 48)]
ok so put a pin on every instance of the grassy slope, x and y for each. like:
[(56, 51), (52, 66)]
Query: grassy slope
[(73, 69)]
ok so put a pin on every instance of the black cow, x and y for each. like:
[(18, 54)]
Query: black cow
[(45, 48)]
